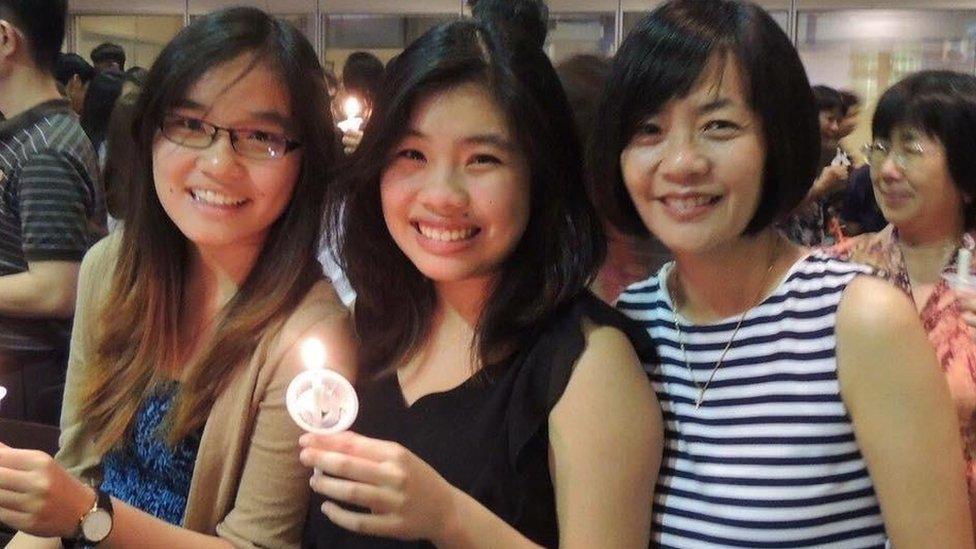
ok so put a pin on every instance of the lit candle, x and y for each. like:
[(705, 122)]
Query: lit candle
[(320, 400), (353, 110)]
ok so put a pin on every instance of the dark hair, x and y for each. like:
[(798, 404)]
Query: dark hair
[(942, 104), (664, 58), (42, 22), (70, 64), (117, 173), (828, 99), (848, 100), (530, 18), (136, 75), (583, 77), (563, 242), (362, 75), (139, 320), (100, 99), (108, 51)]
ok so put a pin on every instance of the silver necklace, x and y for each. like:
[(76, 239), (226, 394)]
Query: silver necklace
[(681, 338)]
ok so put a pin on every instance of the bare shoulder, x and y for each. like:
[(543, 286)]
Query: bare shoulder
[(873, 307)]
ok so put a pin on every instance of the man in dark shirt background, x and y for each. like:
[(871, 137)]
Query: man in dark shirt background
[(52, 209)]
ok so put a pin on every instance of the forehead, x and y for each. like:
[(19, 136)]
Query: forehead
[(460, 110), (721, 78), (239, 88)]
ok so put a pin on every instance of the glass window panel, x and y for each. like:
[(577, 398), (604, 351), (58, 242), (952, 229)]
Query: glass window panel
[(385, 36), (576, 33), (141, 36), (866, 51), (580, 26)]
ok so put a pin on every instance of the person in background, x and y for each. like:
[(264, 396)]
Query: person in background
[(489, 408), (74, 73), (52, 209), (103, 92), (108, 56), (362, 75), (629, 259), (859, 213), (117, 171), (816, 221), (851, 112), (924, 172), (191, 318), (803, 404)]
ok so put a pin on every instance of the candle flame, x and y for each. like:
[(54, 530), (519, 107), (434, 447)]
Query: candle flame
[(3, 392), (313, 354), (352, 107)]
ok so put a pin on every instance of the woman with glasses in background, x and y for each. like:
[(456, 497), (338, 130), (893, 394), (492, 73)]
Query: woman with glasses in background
[(190, 319), (923, 167)]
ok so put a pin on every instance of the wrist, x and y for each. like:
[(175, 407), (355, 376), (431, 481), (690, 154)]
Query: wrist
[(82, 500), (451, 530)]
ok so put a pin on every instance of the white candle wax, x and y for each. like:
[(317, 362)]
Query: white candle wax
[(963, 260), (3, 392)]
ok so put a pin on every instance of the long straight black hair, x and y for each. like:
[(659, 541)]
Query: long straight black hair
[(563, 243)]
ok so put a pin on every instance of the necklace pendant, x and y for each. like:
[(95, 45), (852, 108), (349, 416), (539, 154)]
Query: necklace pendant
[(700, 399)]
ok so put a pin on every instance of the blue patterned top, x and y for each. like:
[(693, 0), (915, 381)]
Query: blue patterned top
[(147, 473)]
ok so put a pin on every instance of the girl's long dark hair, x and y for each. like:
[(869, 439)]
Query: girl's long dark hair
[(563, 243), (137, 338)]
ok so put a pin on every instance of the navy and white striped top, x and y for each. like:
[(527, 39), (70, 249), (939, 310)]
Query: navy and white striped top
[(770, 458)]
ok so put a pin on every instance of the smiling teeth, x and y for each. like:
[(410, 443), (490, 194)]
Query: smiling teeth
[(446, 236), (689, 203), (215, 198)]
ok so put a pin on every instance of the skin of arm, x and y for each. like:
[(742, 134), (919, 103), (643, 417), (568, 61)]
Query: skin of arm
[(410, 500), (903, 417), (46, 290), (40, 503), (606, 438)]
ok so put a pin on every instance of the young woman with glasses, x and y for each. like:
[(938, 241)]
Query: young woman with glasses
[(923, 169), (189, 320), (803, 406)]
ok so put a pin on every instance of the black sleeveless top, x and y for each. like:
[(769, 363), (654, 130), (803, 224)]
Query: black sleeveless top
[(488, 436)]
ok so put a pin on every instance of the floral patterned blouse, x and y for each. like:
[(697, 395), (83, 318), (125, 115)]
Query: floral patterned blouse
[(941, 317)]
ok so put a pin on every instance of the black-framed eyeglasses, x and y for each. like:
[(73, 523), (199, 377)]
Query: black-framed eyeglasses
[(197, 134), (903, 156)]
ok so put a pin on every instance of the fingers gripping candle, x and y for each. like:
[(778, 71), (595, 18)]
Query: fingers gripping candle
[(320, 400)]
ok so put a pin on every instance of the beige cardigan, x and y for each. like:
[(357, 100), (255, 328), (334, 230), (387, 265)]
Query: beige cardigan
[(248, 486)]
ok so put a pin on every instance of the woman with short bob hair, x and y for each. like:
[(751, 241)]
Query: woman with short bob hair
[(779, 370), (923, 174), (494, 385), (190, 319)]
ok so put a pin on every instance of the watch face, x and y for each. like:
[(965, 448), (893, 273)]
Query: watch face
[(96, 526)]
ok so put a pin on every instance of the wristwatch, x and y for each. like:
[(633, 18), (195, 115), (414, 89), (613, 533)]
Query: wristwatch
[(95, 525)]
